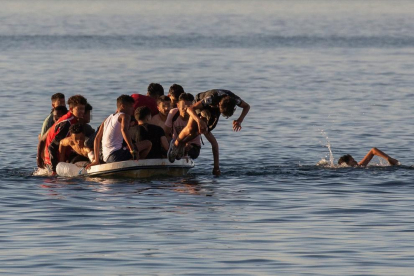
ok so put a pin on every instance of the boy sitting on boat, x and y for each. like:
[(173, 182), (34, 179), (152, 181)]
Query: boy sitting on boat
[(164, 107), (76, 142), (59, 131), (174, 94), (350, 161), (154, 91), (177, 120), (209, 105), (152, 133), (113, 134), (57, 99)]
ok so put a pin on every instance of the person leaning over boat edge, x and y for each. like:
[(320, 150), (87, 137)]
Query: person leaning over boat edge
[(350, 161), (113, 133), (57, 99), (204, 116), (59, 131)]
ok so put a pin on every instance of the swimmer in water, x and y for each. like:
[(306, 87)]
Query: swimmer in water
[(350, 161)]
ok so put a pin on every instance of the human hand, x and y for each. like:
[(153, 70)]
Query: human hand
[(216, 171), (40, 162), (236, 125), (94, 163), (393, 161)]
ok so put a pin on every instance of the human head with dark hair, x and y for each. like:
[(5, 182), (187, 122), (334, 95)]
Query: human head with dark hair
[(164, 105), (58, 112), (227, 106), (77, 133), (184, 101), (125, 104), (347, 159), (142, 114), (155, 90), (87, 116), (58, 99), (77, 105), (174, 93)]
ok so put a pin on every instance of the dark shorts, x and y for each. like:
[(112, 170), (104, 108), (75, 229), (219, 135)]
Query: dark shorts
[(119, 155), (194, 152), (211, 117)]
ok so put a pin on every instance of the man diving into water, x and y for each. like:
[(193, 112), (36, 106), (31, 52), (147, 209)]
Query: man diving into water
[(204, 115)]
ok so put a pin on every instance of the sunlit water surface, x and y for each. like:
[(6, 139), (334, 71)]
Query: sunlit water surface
[(316, 73)]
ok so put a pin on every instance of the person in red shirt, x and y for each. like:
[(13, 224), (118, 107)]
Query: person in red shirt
[(154, 91), (59, 131)]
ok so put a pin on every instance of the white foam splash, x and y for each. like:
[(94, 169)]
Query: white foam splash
[(323, 161)]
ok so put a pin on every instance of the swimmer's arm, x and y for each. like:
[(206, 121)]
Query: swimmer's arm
[(237, 123), (374, 151), (215, 148), (97, 146), (125, 120)]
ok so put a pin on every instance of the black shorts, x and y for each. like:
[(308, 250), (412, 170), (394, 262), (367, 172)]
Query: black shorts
[(211, 117), (119, 155), (194, 151)]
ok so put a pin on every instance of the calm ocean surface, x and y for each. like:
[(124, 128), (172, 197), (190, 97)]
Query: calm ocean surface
[(314, 72)]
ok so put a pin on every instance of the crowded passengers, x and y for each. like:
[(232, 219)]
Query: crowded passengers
[(150, 126)]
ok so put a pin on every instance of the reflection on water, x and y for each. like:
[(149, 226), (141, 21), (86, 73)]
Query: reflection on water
[(303, 66)]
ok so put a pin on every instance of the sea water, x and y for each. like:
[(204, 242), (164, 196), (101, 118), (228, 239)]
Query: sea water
[(345, 67)]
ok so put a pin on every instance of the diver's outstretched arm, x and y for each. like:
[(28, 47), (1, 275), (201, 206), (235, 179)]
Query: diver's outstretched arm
[(374, 151)]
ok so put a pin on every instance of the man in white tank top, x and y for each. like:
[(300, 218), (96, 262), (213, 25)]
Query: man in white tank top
[(114, 132)]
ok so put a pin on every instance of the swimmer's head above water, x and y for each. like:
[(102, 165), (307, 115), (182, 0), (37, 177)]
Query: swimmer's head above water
[(347, 159)]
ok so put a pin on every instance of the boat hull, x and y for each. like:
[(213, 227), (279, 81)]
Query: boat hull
[(129, 169)]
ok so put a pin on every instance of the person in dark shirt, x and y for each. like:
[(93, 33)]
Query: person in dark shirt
[(152, 133), (204, 116)]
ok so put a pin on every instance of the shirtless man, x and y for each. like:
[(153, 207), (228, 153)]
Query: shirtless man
[(350, 161), (164, 106), (76, 141), (209, 105)]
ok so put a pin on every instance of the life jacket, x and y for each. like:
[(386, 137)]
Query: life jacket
[(60, 129)]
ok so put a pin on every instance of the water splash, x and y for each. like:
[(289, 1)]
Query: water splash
[(323, 161)]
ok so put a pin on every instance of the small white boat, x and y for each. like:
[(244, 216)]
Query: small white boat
[(129, 169)]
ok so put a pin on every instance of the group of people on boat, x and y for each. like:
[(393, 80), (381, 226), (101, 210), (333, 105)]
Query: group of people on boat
[(147, 126)]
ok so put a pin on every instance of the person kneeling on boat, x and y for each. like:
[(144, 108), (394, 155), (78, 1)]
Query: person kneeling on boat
[(204, 116), (76, 141), (177, 120), (146, 132), (113, 134), (350, 161)]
